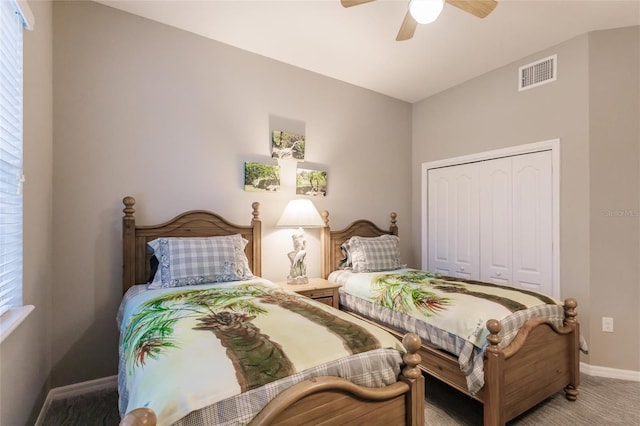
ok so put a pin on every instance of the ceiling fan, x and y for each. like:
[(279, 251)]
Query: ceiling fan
[(427, 11)]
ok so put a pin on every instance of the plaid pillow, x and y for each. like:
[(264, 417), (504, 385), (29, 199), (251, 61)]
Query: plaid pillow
[(373, 254), (190, 261)]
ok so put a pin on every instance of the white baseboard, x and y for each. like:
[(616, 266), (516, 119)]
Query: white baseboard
[(611, 373), (75, 389)]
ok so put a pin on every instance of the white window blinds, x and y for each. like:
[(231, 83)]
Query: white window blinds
[(12, 23)]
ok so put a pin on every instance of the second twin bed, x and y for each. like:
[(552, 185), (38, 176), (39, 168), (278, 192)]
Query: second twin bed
[(508, 348)]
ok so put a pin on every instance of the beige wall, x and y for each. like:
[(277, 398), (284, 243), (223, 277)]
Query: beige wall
[(488, 113), (169, 117), (25, 356), (614, 117)]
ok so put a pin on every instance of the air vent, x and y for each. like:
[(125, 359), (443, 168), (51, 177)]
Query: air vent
[(538, 73)]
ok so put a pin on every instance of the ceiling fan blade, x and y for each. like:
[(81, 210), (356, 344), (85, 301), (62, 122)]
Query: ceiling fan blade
[(479, 8), (408, 28), (349, 3)]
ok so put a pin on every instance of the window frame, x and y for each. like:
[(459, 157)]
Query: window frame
[(17, 16)]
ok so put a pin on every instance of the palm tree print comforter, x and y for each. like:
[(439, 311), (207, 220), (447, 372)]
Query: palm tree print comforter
[(185, 348), (461, 307), (447, 313)]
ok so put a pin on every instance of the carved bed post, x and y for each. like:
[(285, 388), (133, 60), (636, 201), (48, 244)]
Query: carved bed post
[(128, 242), (325, 246), (257, 241), (393, 227), (570, 314), (493, 377), (412, 375), (140, 417)]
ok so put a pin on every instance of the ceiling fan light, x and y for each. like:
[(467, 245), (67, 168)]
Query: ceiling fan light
[(425, 11)]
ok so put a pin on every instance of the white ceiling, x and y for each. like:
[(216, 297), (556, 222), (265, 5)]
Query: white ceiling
[(357, 45)]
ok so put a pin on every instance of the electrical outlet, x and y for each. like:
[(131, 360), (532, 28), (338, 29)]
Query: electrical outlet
[(607, 324)]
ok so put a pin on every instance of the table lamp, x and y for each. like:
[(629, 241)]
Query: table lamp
[(299, 213)]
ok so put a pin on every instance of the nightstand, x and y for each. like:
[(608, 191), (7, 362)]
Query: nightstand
[(318, 289)]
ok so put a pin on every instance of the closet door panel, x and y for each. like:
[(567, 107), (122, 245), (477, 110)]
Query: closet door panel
[(532, 222), (496, 221), (466, 227), (453, 221), (439, 224)]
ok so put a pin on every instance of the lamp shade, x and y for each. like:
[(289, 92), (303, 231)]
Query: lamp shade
[(300, 213), (425, 11)]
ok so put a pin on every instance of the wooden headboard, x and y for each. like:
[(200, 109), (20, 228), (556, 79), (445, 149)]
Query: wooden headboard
[(332, 240), (194, 223)]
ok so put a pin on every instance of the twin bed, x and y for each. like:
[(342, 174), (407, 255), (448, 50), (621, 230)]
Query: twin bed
[(261, 372), (210, 342), (528, 351)]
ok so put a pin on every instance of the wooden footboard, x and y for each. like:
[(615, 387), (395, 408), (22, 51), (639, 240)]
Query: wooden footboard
[(541, 361), (333, 400)]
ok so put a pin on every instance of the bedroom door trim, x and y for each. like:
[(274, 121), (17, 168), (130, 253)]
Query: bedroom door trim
[(552, 145)]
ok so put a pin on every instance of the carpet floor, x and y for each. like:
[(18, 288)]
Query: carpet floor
[(601, 402)]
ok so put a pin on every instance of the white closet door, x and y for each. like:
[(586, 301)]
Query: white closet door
[(453, 221), (496, 206), (492, 217), (532, 222)]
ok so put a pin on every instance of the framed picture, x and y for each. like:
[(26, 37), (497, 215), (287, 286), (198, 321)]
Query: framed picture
[(259, 177), (311, 182), (287, 145)]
